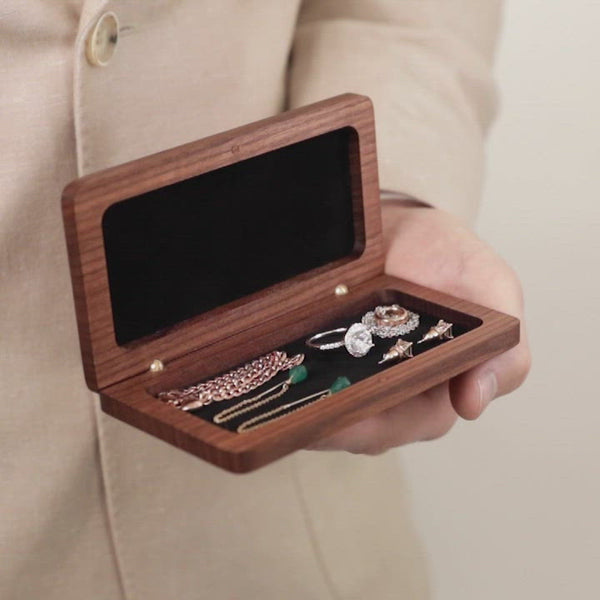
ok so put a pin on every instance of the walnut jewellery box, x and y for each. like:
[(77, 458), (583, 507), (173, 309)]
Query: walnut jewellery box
[(195, 261)]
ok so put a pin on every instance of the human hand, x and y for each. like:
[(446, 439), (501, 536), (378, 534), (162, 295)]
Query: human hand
[(434, 249)]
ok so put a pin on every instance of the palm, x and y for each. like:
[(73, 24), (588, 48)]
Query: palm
[(434, 249)]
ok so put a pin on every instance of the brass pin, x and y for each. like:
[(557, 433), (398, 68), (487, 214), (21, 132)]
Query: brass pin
[(156, 366)]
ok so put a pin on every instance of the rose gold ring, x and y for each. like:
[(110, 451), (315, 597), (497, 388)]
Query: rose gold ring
[(390, 321), (390, 316)]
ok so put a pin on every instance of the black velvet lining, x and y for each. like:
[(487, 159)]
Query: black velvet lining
[(325, 366), (187, 248)]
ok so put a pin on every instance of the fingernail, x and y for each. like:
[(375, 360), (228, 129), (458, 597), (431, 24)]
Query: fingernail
[(488, 388)]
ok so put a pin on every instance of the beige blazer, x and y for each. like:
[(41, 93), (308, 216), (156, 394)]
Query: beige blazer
[(92, 508)]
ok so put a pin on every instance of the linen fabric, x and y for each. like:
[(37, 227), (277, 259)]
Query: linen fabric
[(93, 508)]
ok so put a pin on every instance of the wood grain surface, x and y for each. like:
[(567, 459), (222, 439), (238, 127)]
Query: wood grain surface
[(85, 201), (239, 331), (134, 400)]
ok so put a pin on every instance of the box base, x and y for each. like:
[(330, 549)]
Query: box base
[(479, 334)]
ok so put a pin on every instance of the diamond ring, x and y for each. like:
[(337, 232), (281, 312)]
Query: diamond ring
[(356, 339)]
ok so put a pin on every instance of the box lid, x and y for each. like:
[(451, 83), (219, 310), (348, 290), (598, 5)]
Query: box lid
[(180, 249)]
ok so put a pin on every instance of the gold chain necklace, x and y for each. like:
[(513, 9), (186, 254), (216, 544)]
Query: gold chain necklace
[(235, 383), (297, 375)]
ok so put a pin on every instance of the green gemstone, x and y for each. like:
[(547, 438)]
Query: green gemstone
[(339, 384), (298, 374)]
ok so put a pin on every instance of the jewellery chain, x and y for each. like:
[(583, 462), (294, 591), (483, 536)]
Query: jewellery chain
[(232, 384)]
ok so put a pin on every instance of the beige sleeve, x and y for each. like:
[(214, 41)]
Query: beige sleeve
[(426, 66)]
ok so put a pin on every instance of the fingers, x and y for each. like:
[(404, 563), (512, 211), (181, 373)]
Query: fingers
[(424, 417), (471, 392), (431, 414)]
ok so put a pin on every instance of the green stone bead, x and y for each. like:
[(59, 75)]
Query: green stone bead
[(339, 384), (298, 374)]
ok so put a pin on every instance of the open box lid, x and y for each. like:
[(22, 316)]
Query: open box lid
[(201, 242)]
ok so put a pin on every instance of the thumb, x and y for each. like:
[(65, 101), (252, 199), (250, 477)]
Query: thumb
[(471, 392)]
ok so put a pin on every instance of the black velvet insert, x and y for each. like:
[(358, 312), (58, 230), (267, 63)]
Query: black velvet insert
[(187, 248), (325, 366)]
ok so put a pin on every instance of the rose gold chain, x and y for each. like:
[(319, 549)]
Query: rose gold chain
[(235, 383)]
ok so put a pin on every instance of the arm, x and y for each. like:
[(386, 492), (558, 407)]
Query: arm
[(426, 66)]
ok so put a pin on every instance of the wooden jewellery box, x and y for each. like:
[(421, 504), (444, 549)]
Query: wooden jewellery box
[(194, 261)]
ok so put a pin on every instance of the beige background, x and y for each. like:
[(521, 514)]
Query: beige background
[(509, 506)]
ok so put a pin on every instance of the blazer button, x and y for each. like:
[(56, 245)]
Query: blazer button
[(102, 41)]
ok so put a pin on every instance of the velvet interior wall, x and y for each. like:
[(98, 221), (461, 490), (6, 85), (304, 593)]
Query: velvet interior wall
[(186, 248)]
